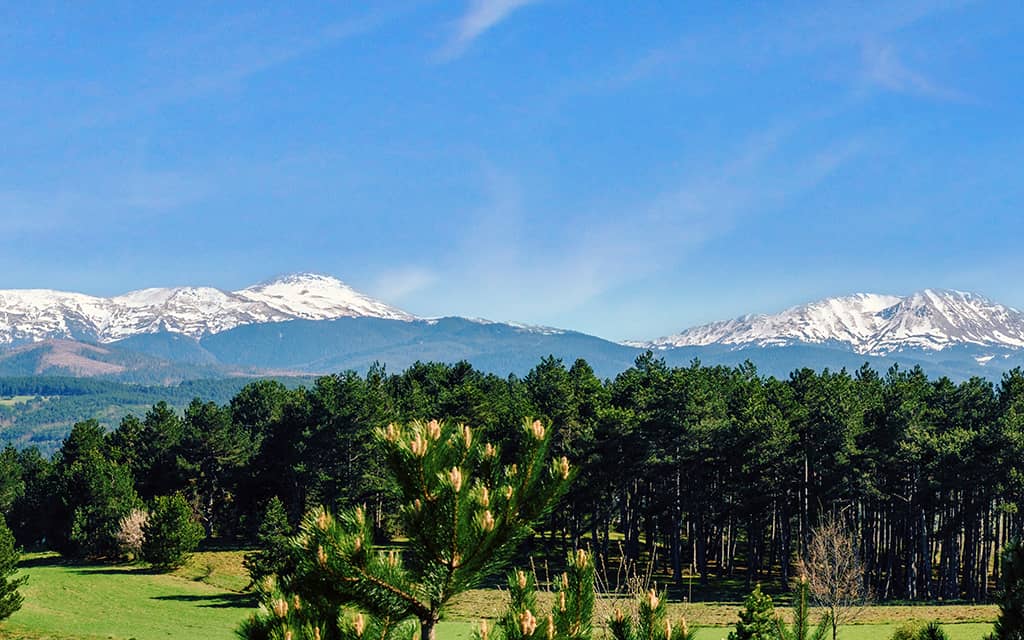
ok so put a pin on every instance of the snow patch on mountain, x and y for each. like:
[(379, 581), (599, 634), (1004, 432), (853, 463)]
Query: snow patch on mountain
[(32, 315), (874, 324)]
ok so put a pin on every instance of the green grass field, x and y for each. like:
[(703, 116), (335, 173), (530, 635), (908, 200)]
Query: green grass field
[(203, 600)]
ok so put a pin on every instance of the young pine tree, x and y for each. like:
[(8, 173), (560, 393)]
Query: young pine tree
[(649, 622), (572, 613), (757, 618), (464, 514), (802, 629), (171, 532), (272, 538), (10, 599)]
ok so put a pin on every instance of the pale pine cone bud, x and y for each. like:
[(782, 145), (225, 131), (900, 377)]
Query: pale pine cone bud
[(487, 521), (434, 429), (455, 476), (581, 559), (280, 607), (563, 468), (418, 446), (527, 623), (537, 429)]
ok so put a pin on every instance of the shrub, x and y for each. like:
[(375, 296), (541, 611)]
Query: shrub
[(919, 631), (170, 533)]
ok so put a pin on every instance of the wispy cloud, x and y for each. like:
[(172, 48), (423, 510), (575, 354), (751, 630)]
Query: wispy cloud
[(480, 16), (223, 57), (124, 196), (884, 68), (396, 284), (518, 272)]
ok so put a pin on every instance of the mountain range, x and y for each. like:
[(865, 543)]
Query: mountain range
[(312, 323)]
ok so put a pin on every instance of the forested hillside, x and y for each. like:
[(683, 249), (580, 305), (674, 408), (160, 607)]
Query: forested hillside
[(717, 468), (39, 411)]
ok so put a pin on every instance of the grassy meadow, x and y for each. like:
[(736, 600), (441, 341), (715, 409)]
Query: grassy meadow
[(206, 599)]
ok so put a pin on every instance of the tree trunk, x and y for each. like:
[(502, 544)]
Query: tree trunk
[(427, 627)]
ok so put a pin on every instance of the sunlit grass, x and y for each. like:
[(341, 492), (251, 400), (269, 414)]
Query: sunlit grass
[(202, 600)]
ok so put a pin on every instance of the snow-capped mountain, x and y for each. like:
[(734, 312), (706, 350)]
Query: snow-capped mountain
[(32, 315), (930, 320)]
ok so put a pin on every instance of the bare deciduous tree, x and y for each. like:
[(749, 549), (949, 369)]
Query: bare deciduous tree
[(835, 575)]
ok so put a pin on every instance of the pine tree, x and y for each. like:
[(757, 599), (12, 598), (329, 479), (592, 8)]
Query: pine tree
[(10, 599), (757, 618), (170, 533), (649, 621), (1010, 624), (801, 628), (272, 538), (572, 612), (464, 514)]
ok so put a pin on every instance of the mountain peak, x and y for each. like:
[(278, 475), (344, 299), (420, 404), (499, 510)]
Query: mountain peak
[(33, 315), (300, 277), (876, 324)]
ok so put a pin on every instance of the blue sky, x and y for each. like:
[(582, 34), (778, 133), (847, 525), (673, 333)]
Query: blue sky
[(625, 169)]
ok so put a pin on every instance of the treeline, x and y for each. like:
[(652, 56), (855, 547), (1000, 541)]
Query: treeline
[(55, 403), (714, 469)]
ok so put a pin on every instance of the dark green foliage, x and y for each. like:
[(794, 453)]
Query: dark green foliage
[(933, 631), (757, 618), (32, 513), (719, 466), (10, 599), (95, 493), (463, 511), (171, 532), (273, 556), (1010, 624)]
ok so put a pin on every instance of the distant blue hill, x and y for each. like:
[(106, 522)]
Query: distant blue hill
[(309, 347)]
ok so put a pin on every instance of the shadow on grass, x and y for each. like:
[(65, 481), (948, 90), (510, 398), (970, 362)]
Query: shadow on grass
[(42, 561), (124, 569), (219, 601)]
